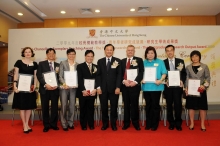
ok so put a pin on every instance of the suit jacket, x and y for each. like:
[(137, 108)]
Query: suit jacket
[(139, 67), (177, 62), (42, 68), (84, 73), (64, 66), (202, 75), (111, 79)]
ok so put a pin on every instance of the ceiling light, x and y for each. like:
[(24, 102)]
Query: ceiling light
[(97, 11), (62, 12), (169, 9), (144, 9), (20, 14), (176, 8), (132, 10)]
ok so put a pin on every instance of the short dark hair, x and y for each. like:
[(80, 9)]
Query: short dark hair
[(150, 48), (195, 52), (89, 51), (70, 50), (50, 49), (23, 50), (170, 46), (109, 45)]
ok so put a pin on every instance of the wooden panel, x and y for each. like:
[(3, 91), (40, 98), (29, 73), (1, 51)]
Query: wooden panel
[(198, 20), (4, 66), (30, 25), (94, 22), (218, 19), (59, 23), (163, 21), (129, 21)]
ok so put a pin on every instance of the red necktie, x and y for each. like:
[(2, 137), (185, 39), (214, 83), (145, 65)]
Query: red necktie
[(127, 67)]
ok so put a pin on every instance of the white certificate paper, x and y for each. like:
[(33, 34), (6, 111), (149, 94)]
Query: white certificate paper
[(150, 74), (131, 74), (70, 78), (50, 78), (174, 78), (89, 84), (193, 85), (24, 82)]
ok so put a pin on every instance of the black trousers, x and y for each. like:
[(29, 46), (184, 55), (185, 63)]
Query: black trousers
[(49, 120), (174, 103), (104, 97), (131, 101), (152, 99), (86, 105)]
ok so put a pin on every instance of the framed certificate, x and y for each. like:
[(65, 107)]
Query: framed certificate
[(70, 78), (131, 74), (24, 82), (89, 84), (150, 74), (193, 85), (174, 78), (50, 78)]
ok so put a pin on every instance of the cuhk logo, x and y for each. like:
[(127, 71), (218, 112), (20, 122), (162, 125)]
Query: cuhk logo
[(92, 32)]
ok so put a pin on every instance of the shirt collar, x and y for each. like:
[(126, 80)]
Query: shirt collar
[(130, 58), (108, 58)]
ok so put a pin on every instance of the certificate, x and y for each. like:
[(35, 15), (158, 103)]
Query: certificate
[(24, 82), (193, 85), (131, 74), (70, 78), (174, 78), (89, 84), (50, 78), (150, 74)]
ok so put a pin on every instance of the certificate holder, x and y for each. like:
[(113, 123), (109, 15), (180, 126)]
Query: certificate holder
[(131, 74), (70, 78), (50, 78), (89, 85), (24, 82), (150, 74), (174, 78), (193, 85)]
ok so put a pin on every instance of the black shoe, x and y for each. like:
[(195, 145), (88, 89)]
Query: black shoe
[(71, 127), (125, 127), (204, 130), (55, 128), (179, 128), (104, 127), (92, 128), (191, 128), (65, 129), (26, 132), (46, 129), (84, 128), (153, 129), (137, 128), (171, 127), (114, 128), (147, 128), (30, 130)]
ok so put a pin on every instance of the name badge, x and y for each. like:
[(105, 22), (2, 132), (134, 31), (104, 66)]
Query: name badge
[(156, 64)]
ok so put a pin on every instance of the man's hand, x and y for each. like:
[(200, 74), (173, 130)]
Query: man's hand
[(117, 91), (132, 84), (85, 93), (126, 83), (99, 91)]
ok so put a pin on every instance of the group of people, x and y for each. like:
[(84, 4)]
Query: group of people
[(111, 78)]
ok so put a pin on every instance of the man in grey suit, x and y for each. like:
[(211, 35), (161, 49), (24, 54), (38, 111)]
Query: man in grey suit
[(67, 94)]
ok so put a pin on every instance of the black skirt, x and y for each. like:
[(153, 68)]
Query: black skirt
[(197, 103)]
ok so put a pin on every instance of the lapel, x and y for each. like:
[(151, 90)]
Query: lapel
[(67, 65), (200, 73), (87, 68), (167, 64)]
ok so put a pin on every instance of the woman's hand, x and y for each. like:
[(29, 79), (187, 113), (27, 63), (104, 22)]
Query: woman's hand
[(158, 82)]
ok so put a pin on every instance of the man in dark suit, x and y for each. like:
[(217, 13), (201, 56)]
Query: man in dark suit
[(173, 94), (131, 88), (108, 85), (48, 92), (86, 70)]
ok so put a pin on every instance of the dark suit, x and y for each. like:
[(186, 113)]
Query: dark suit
[(108, 81), (47, 95), (86, 103), (131, 94), (173, 96)]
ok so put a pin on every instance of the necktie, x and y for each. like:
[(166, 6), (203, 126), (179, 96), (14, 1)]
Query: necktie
[(108, 64), (171, 65), (51, 67), (90, 68), (127, 67)]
